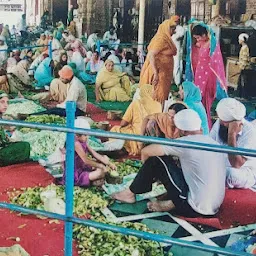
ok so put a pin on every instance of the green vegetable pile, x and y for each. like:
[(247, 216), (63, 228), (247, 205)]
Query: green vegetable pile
[(43, 143), (85, 200), (25, 107), (88, 203), (96, 242), (134, 163), (43, 119), (126, 168)]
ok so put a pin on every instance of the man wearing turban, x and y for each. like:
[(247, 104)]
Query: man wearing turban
[(195, 189), (233, 130)]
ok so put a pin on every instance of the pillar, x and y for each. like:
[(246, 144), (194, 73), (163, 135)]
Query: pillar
[(216, 9), (141, 24)]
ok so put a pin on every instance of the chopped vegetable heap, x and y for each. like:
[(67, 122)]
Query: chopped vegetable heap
[(88, 203), (25, 107), (43, 119)]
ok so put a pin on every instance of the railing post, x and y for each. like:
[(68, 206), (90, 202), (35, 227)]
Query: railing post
[(98, 46), (50, 49), (69, 183), (141, 24)]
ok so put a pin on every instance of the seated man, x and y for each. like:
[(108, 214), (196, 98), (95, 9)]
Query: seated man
[(197, 188), (92, 40), (110, 38), (11, 152), (233, 130), (67, 88), (76, 91)]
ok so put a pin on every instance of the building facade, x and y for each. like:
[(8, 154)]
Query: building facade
[(11, 11), (124, 14), (58, 10)]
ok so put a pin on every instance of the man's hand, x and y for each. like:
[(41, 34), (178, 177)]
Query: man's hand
[(234, 128), (112, 166)]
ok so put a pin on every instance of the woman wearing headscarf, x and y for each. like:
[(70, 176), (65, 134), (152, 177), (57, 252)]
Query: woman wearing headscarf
[(44, 73), (72, 28), (18, 77), (75, 45), (42, 41), (6, 33), (204, 64), (158, 67), (244, 65), (4, 86), (28, 55), (56, 47), (11, 152), (162, 124), (13, 60), (134, 115), (36, 63), (92, 69), (63, 62), (112, 85), (3, 52), (191, 96), (58, 32)]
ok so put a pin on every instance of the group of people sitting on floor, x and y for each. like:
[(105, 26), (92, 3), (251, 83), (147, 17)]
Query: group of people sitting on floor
[(196, 183)]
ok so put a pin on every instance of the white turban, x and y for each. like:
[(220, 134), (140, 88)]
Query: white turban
[(82, 123), (243, 37), (188, 120), (230, 109)]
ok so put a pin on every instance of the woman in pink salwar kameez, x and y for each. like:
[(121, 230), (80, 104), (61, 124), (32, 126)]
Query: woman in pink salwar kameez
[(205, 65)]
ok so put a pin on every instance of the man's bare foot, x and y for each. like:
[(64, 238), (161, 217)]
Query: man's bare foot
[(125, 196), (98, 183), (161, 206)]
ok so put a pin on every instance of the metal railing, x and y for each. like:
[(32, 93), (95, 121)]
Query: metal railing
[(69, 219), (99, 44), (30, 47)]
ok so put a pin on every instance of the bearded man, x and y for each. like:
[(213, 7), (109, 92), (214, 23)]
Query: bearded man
[(231, 129)]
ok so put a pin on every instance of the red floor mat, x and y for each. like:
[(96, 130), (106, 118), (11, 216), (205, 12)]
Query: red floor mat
[(237, 209), (38, 237), (98, 114)]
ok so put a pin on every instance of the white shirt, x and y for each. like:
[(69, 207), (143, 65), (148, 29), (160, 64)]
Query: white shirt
[(92, 40), (204, 172), (110, 38), (180, 32), (76, 92), (245, 139)]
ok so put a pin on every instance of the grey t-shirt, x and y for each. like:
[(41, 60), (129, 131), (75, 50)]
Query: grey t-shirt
[(204, 172)]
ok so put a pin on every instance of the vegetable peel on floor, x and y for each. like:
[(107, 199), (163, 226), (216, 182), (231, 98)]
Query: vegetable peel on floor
[(54, 222), (92, 241), (22, 226)]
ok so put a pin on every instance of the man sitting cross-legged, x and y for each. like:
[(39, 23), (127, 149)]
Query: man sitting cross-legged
[(197, 188)]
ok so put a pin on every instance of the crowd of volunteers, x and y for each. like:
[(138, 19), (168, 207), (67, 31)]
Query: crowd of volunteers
[(195, 180)]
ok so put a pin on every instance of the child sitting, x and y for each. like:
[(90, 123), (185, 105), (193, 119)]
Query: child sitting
[(88, 171)]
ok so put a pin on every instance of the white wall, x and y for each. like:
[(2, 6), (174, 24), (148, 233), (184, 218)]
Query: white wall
[(10, 18)]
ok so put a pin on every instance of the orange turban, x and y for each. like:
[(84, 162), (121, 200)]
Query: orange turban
[(66, 73)]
